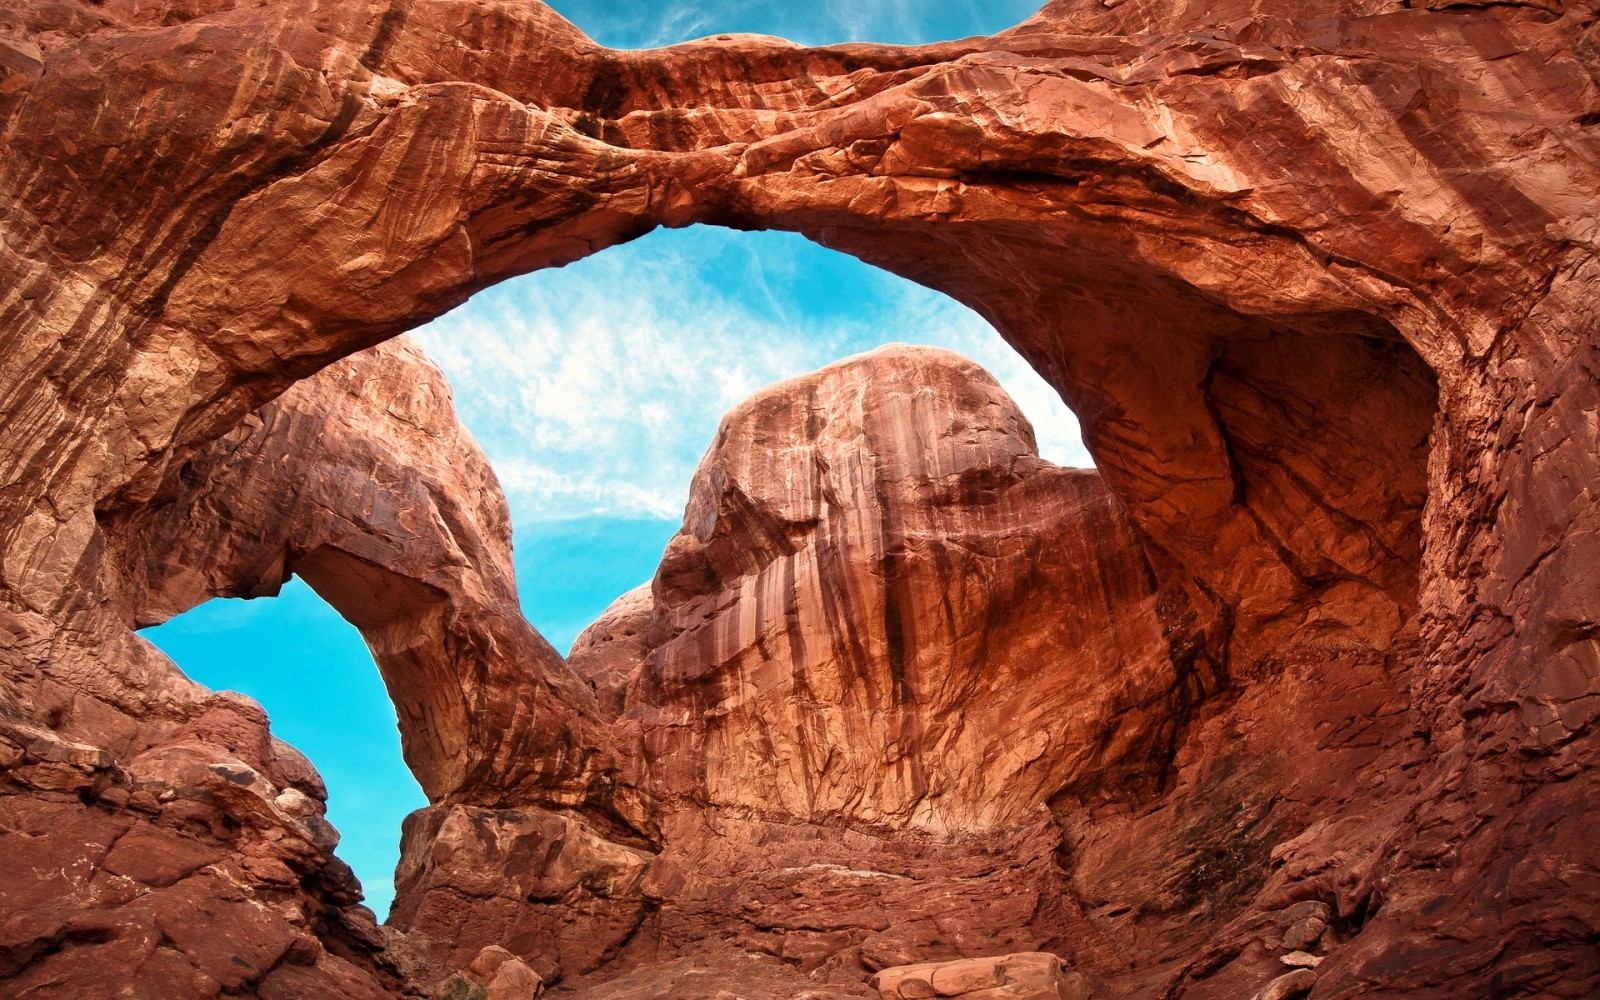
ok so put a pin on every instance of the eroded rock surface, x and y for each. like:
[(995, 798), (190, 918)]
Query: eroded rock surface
[(884, 607), (362, 482), (1319, 281), (884, 614)]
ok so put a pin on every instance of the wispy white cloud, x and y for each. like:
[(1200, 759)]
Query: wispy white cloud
[(680, 23), (596, 388), (952, 325)]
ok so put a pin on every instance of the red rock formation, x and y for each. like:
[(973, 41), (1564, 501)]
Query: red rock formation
[(1319, 283), (883, 607), (185, 851), (361, 481), (884, 614)]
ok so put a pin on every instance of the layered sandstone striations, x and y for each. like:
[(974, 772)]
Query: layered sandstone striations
[(884, 607), (184, 851), (360, 481), (1319, 281), (884, 614), (1036, 976)]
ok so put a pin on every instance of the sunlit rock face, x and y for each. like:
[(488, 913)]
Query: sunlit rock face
[(361, 481), (1319, 281), (883, 607), (884, 614)]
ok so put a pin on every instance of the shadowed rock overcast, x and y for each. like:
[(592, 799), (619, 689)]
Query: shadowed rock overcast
[(1293, 694)]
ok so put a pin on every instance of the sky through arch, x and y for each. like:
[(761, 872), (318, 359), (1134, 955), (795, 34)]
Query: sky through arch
[(631, 24), (594, 389)]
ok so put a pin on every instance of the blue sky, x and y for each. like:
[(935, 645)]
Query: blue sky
[(819, 22), (594, 389)]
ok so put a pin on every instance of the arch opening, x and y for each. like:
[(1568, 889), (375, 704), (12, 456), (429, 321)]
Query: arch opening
[(1252, 393), (326, 483), (596, 388), (312, 673), (1234, 318), (1179, 349), (825, 24), (1273, 466)]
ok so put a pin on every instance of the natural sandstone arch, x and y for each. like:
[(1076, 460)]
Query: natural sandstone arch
[(361, 482), (1102, 182)]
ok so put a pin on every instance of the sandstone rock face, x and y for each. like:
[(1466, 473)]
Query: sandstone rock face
[(1319, 281), (200, 807), (361, 481), (385, 505), (884, 614), (884, 607), (609, 653), (496, 974)]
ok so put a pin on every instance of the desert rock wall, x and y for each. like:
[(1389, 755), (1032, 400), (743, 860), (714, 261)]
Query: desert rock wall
[(884, 607)]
